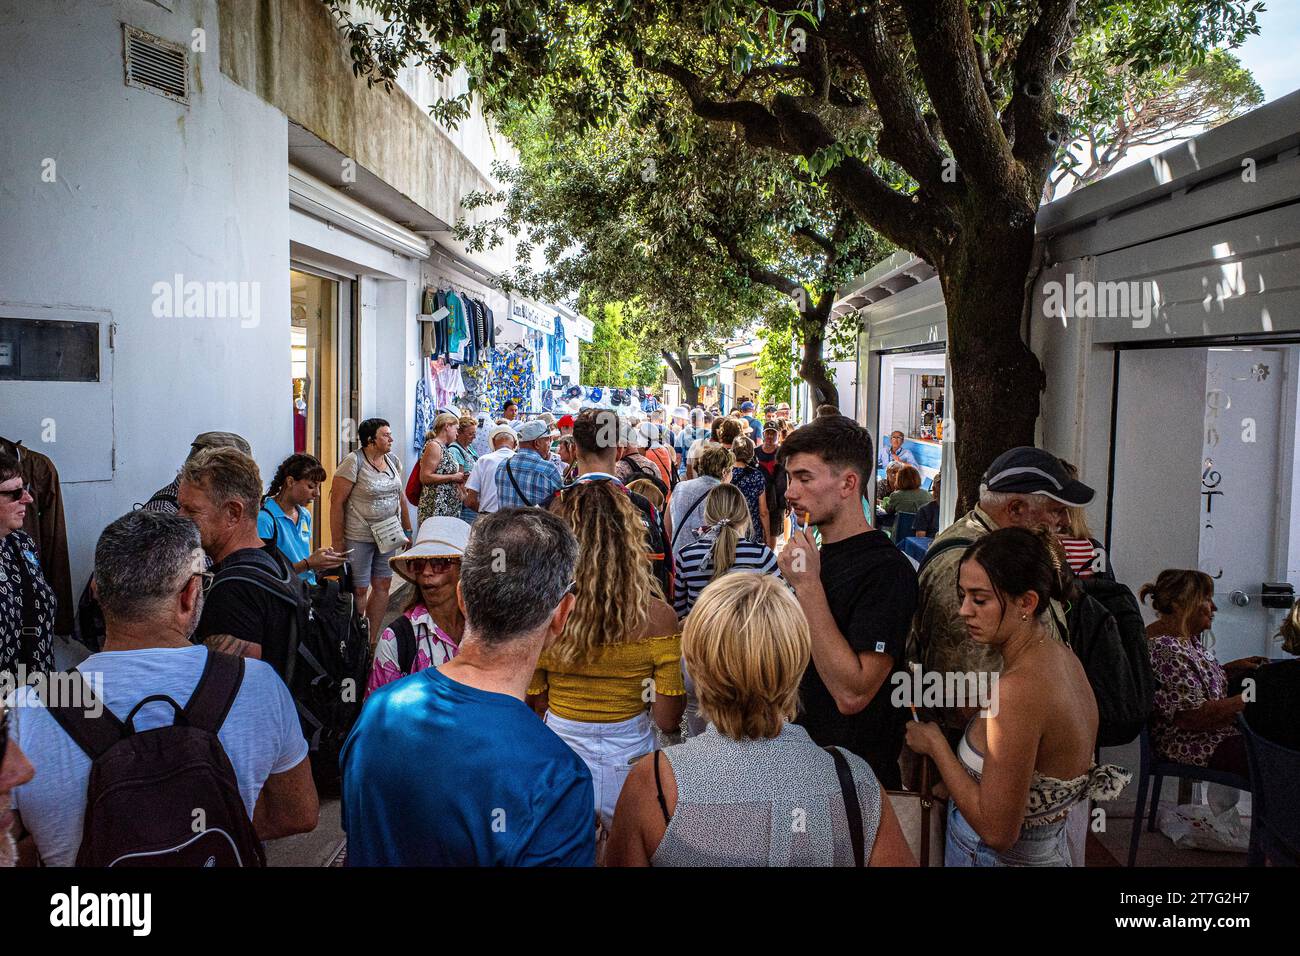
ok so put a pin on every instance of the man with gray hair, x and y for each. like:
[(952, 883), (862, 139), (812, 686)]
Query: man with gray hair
[(148, 573), (449, 766), (1023, 488), (221, 492)]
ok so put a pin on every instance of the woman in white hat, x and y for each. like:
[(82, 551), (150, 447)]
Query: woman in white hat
[(428, 632)]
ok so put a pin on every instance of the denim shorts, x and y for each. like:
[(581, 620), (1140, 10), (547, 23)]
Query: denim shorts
[(1037, 846), (367, 562)]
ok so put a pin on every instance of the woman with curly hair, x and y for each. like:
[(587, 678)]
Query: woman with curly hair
[(615, 671)]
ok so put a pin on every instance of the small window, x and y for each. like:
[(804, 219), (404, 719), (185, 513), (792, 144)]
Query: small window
[(43, 350)]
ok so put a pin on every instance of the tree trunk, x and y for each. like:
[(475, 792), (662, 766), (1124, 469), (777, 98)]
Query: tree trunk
[(996, 379), (681, 366), (812, 368)]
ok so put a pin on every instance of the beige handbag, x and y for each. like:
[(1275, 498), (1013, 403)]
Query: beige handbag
[(923, 818)]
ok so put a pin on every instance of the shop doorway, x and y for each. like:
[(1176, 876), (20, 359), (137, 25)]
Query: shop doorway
[(1204, 476), (322, 345), (912, 400)]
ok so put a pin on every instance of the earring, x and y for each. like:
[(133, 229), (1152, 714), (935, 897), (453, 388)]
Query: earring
[(1024, 617)]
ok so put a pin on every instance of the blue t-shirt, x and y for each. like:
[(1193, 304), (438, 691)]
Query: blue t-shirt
[(294, 540), (437, 773)]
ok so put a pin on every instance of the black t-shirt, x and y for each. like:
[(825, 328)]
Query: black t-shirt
[(871, 589), (247, 612), (1274, 714), (927, 519)]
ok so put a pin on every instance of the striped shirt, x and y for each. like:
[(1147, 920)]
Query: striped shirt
[(695, 569), (1080, 555)]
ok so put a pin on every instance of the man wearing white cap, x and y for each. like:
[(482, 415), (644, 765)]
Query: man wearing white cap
[(481, 487), (529, 479), (428, 632)]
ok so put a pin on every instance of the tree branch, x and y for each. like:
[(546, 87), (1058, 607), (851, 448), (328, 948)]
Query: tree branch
[(1035, 123)]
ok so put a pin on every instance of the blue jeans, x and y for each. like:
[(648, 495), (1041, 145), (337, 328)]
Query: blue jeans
[(1037, 846)]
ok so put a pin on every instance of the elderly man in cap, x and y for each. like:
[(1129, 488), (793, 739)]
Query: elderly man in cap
[(481, 486), (755, 426), (427, 633), (1024, 488), (527, 478), (164, 499)]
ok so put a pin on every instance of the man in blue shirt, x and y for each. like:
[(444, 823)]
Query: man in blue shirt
[(449, 766), (529, 478), (755, 426), (895, 452)]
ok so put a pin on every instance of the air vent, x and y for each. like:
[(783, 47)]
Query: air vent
[(155, 64)]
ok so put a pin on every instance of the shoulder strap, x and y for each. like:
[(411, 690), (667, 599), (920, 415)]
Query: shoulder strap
[(939, 547), (849, 790), (94, 735), (404, 632), (275, 525), (682, 523), (519, 491), (216, 691), (659, 790)]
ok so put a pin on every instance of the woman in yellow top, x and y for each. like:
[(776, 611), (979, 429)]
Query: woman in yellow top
[(617, 664)]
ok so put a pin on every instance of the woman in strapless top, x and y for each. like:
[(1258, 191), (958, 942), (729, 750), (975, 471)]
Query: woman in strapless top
[(1028, 757)]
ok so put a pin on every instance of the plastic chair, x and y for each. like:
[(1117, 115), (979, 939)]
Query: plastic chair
[(1275, 800), (1154, 767), (903, 523)]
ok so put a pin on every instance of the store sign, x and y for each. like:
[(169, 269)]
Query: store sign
[(530, 317), (586, 328)]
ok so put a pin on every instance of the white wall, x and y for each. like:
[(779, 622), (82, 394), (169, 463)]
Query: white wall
[(146, 188)]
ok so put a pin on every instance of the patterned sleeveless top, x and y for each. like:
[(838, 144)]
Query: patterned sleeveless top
[(442, 499), (770, 802)]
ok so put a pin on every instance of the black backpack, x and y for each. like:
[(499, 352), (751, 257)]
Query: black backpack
[(1107, 634), (327, 656), (404, 632), (167, 796)]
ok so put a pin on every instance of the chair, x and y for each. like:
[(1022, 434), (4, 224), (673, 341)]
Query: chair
[(1275, 800), (903, 522), (1153, 767)]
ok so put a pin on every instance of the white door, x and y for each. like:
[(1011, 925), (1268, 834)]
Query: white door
[(1244, 514)]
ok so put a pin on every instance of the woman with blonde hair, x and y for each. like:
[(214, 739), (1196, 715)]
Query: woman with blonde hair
[(615, 671), (1194, 720), (724, 547), (1083, 552), (726, 797), (440, 474)]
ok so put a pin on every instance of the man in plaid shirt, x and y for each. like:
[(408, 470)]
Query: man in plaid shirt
[(528, 478)]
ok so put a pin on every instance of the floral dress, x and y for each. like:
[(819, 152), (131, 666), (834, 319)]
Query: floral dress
[(752, 482), (442, 499), (1187, 675)]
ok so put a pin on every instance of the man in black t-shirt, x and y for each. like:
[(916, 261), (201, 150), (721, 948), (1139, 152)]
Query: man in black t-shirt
[(858, 593), (220, 491)]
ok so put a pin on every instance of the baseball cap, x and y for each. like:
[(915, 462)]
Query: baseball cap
[(220, 440), (746, 406), (531, 431), (501, 430), (439, 537), (783, 407), (566, 421), (771, 427), (1032, 471)]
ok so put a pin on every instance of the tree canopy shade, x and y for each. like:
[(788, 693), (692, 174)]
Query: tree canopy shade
[(702, 231), (934, 122)]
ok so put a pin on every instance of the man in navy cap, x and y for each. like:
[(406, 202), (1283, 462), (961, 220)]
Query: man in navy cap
[(1024, 488)]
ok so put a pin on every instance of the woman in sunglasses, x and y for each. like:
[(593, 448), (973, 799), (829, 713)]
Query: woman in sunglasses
[(26, 601), (428, 632)]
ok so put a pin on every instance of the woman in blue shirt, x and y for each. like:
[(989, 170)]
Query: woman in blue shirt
[(284, 517)]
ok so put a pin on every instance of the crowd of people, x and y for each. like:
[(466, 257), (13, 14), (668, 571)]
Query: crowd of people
[(581, 672)]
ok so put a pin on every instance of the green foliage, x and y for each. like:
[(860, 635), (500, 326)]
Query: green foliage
[(615, 357)]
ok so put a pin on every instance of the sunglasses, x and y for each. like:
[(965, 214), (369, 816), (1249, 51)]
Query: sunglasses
[(16, 494), (417, 565)]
